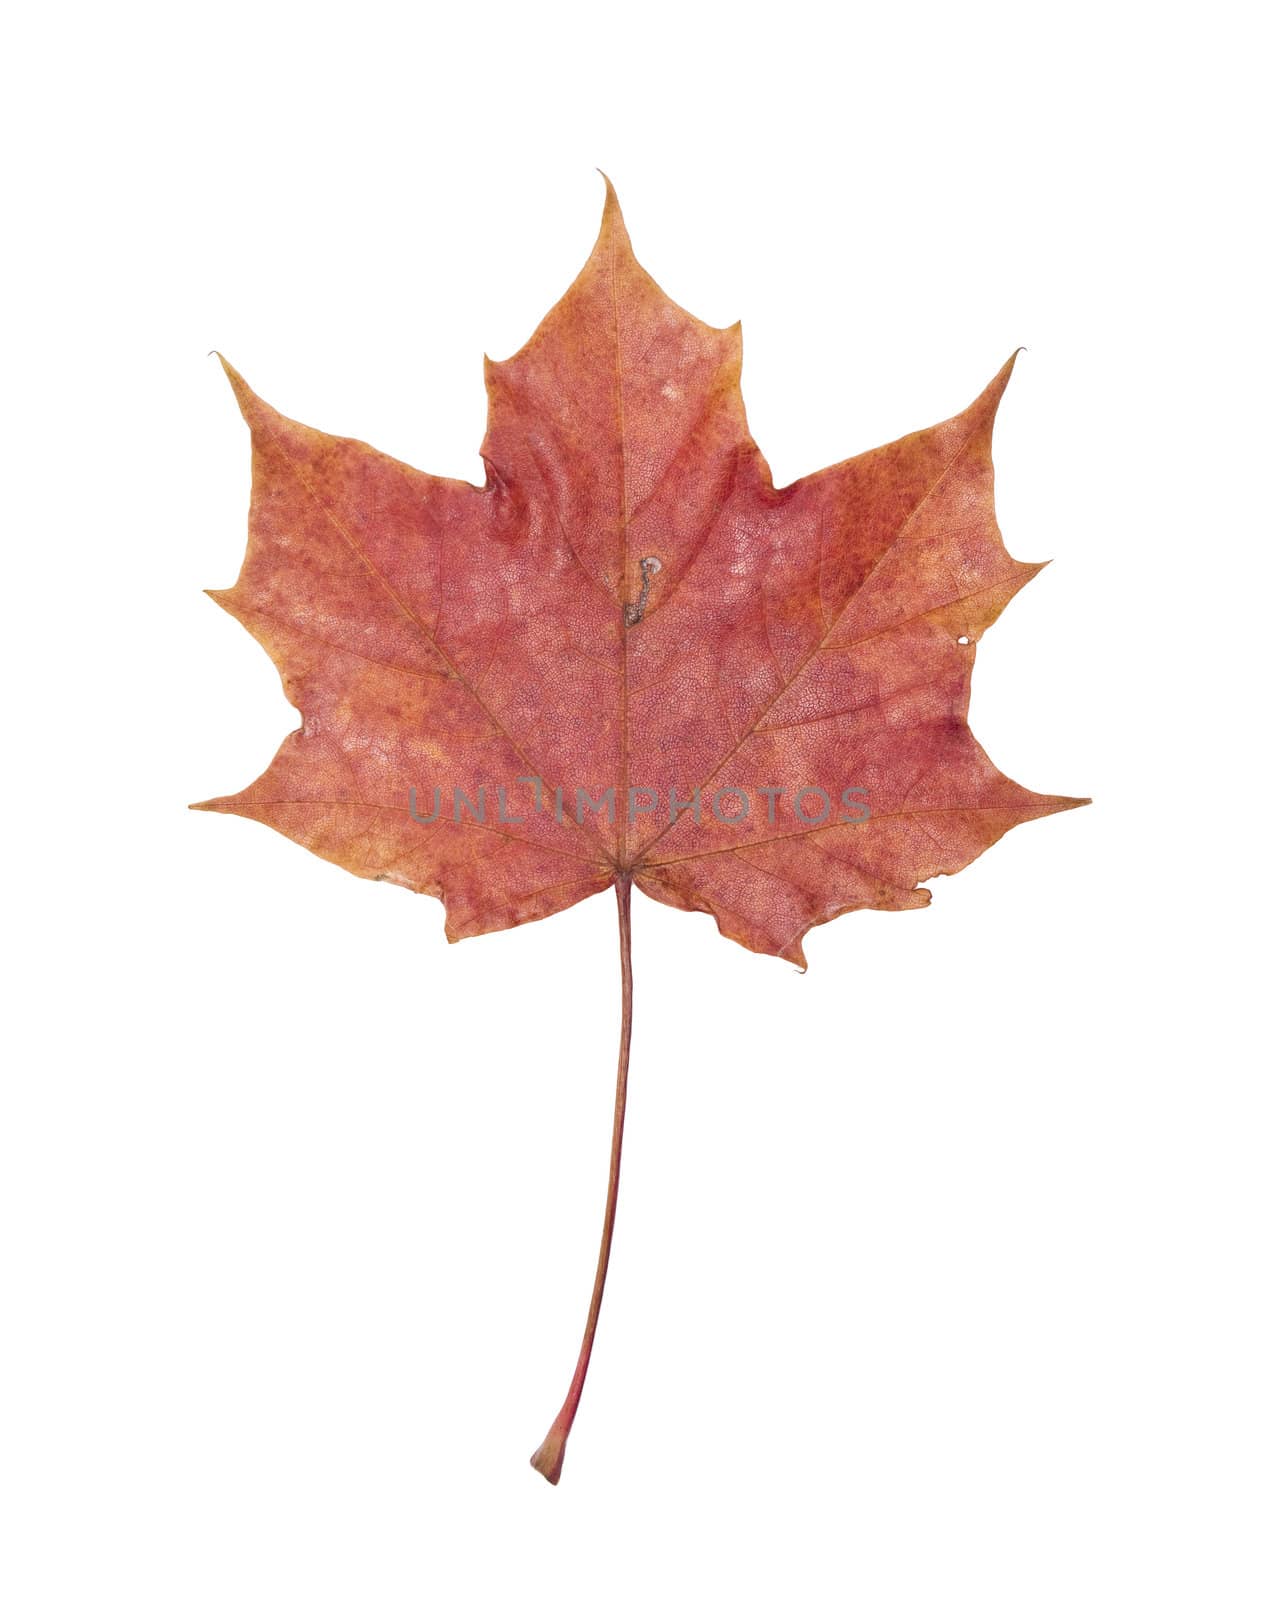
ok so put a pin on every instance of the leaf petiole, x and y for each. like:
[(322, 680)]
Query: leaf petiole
[(550, 1455)]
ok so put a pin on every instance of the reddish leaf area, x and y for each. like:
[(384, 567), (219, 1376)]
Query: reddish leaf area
[(439, 635), (771, 684)]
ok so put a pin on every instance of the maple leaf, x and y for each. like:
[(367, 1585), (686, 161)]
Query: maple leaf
[(628, 657)]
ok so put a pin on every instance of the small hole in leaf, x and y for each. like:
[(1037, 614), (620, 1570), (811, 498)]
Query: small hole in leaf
[(962, 639)]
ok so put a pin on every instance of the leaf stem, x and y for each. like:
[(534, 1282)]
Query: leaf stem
[(550, 1455)]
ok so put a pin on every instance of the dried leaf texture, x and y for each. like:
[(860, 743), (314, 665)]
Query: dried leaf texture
[(628, 603)]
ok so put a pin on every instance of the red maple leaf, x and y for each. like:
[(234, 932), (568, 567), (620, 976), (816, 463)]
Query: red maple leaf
[(628, 657)]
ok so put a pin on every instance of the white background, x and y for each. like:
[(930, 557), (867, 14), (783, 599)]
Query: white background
[(939, 1272)]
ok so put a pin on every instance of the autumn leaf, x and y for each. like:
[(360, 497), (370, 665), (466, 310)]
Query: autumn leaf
[(628, 657)]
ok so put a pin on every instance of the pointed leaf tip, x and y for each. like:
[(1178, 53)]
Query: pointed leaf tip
[(231, 372), (1008, 367), (611, 194), (249, 402), (986, 403), (612, 223)]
